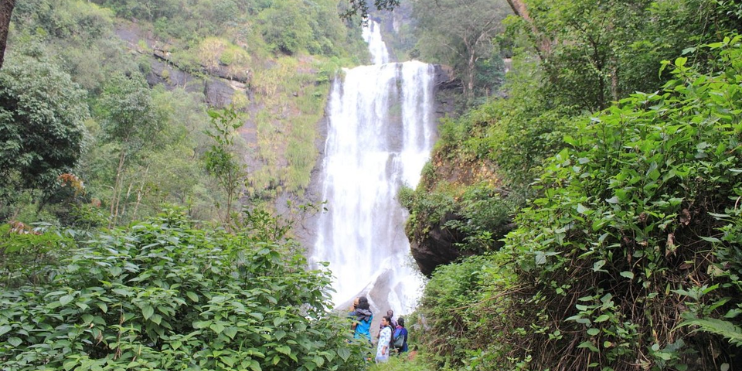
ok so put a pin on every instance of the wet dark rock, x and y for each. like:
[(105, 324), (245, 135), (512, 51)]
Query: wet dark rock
[(438, 247)]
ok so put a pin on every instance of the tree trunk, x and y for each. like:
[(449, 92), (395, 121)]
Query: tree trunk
[(116, 189), (471, 68), (139, 193), (543, 45), (6, 10), (519, 8)]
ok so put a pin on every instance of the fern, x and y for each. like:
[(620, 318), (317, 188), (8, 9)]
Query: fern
[(715, 326)]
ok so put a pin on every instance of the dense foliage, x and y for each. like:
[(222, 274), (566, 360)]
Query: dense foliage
[(41, 126), (630, 246), (147, 72), (606, 219), (462, 34), (163, 295)]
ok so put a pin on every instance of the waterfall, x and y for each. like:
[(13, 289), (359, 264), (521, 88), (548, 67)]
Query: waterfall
[(381, 131)]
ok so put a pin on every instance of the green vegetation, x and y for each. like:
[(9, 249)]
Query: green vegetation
[(461, 34), (41, 127), (135, 150), (596, 201), (162, 294), (604, 220), (93, 273)]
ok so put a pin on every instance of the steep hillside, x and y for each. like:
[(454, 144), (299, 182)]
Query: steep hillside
[(269, 61)]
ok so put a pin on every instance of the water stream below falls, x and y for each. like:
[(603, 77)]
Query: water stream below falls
[(381, 131)]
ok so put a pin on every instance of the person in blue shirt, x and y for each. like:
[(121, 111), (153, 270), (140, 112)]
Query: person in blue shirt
[(362, 318)]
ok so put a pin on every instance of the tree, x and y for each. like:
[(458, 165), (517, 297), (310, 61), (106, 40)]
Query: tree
[(6, 11), (459, 32), (285, 26), (360, 7), (130, 120), (220, 159), (41, 124)]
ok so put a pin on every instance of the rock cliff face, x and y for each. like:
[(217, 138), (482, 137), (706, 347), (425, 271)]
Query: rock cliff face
[(217, 85)]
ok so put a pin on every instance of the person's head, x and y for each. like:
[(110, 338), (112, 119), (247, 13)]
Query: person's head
[(386, 321), (355, 302), (400, 321), (390, 313), (362, 303)]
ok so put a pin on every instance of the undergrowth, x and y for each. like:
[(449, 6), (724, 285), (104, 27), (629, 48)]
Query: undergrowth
[(629, 258)]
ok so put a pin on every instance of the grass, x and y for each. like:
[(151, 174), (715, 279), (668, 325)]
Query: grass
[(403, 364)]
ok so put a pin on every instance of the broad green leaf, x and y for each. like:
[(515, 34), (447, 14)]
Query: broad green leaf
[(588, 345), (64, 300), (14, 341), (217, 327), (192, 295), (627, 274), (103, 307), (148, 311), (598, 265), (230, 332), (593, 331), (344, 353), (229, 361), (255, 366), (201, 324), (5, 329)]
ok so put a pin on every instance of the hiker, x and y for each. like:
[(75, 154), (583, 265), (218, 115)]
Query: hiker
[(400, 337), (362, 319), (393, 323), (385, 338)]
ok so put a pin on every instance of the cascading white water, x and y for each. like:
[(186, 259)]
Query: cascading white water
[(381, 131)]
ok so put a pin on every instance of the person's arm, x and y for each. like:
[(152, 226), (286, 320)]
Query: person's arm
[(383, 350)]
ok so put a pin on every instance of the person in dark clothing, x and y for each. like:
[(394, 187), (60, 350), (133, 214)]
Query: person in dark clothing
[(401, 331)]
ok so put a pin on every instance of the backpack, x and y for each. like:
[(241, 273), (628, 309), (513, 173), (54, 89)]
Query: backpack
[(398, 338)]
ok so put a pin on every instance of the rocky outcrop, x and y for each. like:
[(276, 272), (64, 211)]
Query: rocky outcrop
[(448, 90), (438, 247), (218, 85)]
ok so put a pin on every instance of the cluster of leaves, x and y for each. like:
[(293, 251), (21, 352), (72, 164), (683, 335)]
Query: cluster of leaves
[(28, 254), (595, 52), (630, 254), (41, 125), (283, 26), (162, 295), (630, 211)]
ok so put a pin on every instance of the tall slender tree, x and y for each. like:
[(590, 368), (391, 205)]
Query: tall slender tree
[(6, 11)]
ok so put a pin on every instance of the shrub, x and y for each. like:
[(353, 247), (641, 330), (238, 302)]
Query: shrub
[(163, 295)]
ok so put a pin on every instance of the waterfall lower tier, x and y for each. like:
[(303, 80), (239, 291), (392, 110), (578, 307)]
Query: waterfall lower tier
[(381, 131)]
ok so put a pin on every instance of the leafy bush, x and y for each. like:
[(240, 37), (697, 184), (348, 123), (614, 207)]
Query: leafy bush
[(630, 256), (41, 123), (163, 295), (628, 224), (28, 256)]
